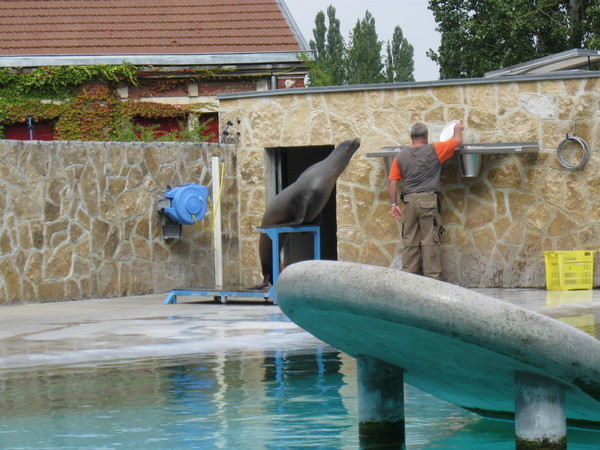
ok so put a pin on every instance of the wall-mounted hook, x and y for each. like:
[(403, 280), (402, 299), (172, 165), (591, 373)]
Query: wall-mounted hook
[(226, 131)]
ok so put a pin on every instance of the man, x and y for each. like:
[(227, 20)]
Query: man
[(420, 166)]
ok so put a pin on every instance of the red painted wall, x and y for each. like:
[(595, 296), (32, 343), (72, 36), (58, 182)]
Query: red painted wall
[(42, 131)]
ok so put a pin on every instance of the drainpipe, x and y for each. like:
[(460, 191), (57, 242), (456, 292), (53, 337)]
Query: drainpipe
[(30, 126), (273, 82)]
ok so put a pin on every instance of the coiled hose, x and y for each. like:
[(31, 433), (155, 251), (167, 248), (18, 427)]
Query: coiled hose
[(584, 148)]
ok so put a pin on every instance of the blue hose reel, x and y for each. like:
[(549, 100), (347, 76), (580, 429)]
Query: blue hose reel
[(187, 203)]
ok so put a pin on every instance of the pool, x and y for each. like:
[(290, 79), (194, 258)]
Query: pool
[(260, 399)]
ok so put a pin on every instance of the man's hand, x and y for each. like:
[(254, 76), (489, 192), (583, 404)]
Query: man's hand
[(396, 212), (458, 137)]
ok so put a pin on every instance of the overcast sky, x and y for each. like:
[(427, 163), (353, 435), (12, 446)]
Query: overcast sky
[(412, 16)]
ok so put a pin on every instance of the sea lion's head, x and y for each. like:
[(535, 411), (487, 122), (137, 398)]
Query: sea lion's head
[(348, 148)]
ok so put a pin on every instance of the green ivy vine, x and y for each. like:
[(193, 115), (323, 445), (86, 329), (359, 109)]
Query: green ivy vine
[(83, 103), (61, 82)]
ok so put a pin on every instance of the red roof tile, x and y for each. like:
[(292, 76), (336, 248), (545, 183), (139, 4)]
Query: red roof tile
[(92, 27)]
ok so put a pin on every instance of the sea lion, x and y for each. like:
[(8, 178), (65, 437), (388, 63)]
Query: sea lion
[(302, 201)]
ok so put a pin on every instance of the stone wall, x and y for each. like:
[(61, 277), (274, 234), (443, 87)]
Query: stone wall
[(79, 219), (498, 224)]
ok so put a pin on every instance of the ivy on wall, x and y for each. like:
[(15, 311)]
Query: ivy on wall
[(61, 82), (83, 104)]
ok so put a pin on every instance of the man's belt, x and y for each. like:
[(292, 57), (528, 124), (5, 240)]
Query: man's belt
[(403, 194)]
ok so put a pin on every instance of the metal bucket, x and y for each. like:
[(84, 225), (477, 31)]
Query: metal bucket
[(470, 164)]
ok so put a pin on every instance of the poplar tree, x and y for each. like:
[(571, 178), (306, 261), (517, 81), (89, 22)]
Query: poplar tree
[(399, 64), (336, 50), (364, 53), (359, 62), (328, 66)]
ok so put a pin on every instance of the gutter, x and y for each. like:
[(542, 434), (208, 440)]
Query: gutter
[(209, 59)]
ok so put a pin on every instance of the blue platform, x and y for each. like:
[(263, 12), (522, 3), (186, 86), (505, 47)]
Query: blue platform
[(274, 232)]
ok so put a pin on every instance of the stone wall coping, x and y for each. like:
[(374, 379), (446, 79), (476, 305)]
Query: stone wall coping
[(35, 143), (562, 75)]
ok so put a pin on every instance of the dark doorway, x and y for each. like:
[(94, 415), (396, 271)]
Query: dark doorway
[(289, 163)]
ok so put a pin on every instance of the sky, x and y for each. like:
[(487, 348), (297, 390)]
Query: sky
[(416, 21)]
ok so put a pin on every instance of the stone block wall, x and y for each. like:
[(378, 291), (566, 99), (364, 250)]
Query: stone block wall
[(498, 225), (80, 220)]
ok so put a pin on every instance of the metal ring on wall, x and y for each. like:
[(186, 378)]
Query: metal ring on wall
[(584, 147)]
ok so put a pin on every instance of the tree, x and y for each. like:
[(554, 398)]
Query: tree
[(364, 53), (479, 36), (328, 66), (360, 61), (399, 65), (335, 48), (591, 25)]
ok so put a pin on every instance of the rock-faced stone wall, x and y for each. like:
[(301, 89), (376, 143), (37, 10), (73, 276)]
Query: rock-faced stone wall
[(80, 220), (498, 225)]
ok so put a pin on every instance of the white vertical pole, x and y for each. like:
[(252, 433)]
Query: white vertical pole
[(217, 238)]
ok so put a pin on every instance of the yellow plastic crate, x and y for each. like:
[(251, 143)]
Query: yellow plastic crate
[(569, 270)]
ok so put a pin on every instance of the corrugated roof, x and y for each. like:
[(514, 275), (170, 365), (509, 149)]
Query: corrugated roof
[(85, 27), (576, 58)]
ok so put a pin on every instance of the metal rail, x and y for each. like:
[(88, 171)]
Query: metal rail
[(222, 294)]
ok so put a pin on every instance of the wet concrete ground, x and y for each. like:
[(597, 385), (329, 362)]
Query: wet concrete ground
[(143, 326)]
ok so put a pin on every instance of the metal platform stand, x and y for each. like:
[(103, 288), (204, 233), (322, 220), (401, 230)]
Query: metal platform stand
[(223, 294)]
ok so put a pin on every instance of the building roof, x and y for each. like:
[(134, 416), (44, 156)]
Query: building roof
[(576, 58), (144, 27)]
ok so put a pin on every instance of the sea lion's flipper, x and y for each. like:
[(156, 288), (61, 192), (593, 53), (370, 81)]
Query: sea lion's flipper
[(265, 246), (266, 282)]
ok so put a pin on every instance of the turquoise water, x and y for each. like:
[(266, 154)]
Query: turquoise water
[(269, 400)]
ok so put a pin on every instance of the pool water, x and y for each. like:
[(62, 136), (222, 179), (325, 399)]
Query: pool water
[(256, 400)]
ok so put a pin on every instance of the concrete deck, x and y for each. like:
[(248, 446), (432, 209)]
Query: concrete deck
[(143, 327), (140, 327)]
